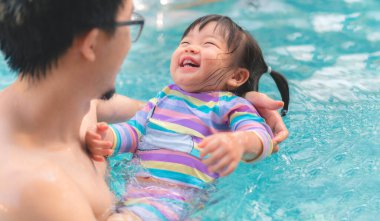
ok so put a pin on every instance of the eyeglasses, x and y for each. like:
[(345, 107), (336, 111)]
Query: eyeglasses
[(136, 25)]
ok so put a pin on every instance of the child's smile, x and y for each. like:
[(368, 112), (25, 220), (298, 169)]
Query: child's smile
[(189, 64)]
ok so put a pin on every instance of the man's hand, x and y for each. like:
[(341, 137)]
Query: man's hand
[(267, 108)]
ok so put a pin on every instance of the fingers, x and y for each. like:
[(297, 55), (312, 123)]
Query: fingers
[(216, 155), (97, 147), (98, 154), (99, 144), (96, 150), (223, 159), (221, 165), (205, 146), (224, 166), (210, 146), (92, 136), (98, 158), (230, 168), (280, 132), (263, 101), (276, 147), (102, 127), (94, 140), (281, 135), (278, 138)]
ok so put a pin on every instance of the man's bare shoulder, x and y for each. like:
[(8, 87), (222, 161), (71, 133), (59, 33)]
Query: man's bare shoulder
[(35, 189)]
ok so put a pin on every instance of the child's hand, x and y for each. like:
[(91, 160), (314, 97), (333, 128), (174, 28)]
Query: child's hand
[(226, 151), (97, 143)]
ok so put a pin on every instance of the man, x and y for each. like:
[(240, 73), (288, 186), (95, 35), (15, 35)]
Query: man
[(66, 53)]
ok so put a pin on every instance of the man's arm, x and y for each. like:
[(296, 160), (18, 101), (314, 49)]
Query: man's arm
[(267, 108), (52, 196), (118, 109)]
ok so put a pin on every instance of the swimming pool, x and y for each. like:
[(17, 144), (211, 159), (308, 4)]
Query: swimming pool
[(328, 169)]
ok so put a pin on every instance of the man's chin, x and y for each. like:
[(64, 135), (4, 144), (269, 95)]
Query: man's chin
[(108, 94)]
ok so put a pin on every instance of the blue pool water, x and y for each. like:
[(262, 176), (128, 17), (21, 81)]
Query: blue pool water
[(329, 167)]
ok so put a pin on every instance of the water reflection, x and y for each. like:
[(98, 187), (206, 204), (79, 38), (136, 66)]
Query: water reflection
[(346, 80), (328, 168)]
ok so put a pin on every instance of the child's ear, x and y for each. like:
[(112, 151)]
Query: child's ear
[(238, 78), (87, 44)]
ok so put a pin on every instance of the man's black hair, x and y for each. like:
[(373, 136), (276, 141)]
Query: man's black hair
[(35, 33)]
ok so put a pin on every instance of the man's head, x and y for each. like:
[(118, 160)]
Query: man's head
[(34, 34)]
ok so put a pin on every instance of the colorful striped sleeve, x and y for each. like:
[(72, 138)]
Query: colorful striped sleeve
[(127, 134), (242, 116)]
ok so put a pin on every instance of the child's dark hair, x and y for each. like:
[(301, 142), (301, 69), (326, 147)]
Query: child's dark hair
[(246, 54), (34, 34)]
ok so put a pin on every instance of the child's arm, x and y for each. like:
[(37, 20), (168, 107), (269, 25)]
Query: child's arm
[(124, 137), (250, 138), (121, 108), (112, 139)]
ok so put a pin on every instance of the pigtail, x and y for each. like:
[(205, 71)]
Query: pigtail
[(283, 87)]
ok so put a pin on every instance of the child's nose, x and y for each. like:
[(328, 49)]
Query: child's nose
[(192, 49)]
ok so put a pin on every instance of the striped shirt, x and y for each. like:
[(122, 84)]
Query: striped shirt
[(166, 133)]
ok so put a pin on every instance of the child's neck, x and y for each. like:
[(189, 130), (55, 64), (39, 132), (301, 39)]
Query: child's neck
[(203, 90)]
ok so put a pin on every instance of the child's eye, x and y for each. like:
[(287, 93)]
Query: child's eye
[(184, 43), (211, 43)]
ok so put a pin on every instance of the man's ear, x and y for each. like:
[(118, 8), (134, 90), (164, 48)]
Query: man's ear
[(88, 44), (238, 78)]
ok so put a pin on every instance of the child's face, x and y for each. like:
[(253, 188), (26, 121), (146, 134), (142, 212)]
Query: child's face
[(201, 63)]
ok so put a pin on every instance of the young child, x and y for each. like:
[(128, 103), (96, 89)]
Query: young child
[(198, 128)]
